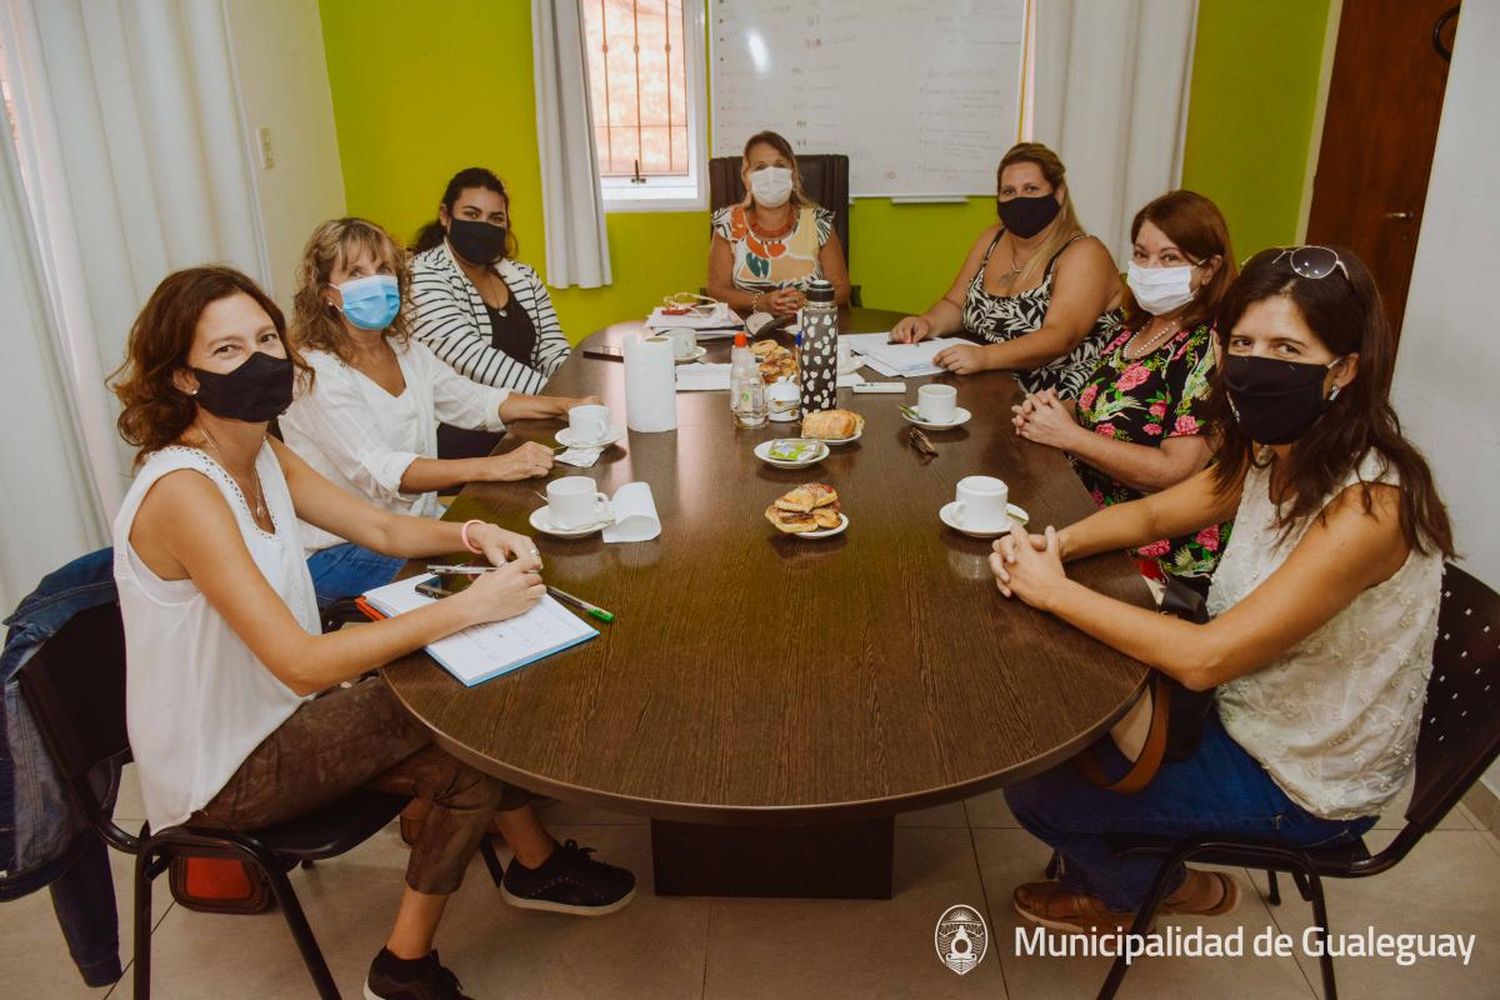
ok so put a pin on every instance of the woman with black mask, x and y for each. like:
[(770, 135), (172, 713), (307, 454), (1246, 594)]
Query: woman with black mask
[(1324, 605), (481, 311), (1045, 296)]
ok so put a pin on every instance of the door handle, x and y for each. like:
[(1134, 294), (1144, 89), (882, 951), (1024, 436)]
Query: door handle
[(1401, 215)]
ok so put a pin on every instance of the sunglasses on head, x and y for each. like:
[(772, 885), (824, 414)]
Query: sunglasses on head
[(1313, 261)]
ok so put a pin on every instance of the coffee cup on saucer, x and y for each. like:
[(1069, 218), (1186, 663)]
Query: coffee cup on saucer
[(588, 423), (684, 341), (783, 401), (938, 404), (980, 503), (575, 502)]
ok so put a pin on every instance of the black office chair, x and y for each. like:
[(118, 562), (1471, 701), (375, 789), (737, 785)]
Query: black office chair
[(1459, 739), (825, 179), (75, 687)]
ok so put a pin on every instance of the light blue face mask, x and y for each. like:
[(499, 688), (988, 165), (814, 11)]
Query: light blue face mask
[(371, 303)]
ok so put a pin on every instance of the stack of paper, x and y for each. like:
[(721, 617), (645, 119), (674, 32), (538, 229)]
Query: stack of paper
[(903, 360), (476, 654)]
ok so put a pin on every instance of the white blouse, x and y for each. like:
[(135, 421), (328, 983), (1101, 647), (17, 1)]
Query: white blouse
[(197, 701), (1334, 719), (363, 439)]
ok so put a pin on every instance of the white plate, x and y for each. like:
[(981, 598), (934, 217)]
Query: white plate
[(541, 520), (697, 353), (853, 437), (946, 515), (826, 532), (960, 417), (763, 452), (565, 437)]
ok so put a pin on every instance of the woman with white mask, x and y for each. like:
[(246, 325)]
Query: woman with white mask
[(767, 247), (1137, 426)]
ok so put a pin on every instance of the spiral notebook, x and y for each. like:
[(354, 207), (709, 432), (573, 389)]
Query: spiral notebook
[(483, 651)]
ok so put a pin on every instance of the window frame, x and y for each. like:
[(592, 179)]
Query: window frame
[(664, 194)]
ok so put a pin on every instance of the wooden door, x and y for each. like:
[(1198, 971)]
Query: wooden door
[(1384, 101)]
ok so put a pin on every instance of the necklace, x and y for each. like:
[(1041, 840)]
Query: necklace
[(1132, 350), (1016, 264), (260, 513)]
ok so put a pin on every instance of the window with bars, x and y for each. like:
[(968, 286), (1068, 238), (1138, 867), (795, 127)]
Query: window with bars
[(646, 70)]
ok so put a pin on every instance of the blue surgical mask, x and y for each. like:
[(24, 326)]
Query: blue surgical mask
[(371, 303)]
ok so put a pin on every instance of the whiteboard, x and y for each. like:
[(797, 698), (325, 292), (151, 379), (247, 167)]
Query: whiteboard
[(923, 95)]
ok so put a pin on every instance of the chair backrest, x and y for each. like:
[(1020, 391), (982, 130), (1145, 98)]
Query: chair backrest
[(825, 179), (1460, 735), (75, 688)]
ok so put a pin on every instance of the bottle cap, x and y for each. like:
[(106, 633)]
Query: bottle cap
[(739, 339), (820, 290)]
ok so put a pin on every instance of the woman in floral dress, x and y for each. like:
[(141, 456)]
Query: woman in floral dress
[(1137, 426)]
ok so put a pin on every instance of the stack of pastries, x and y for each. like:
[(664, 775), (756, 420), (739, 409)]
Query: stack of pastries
[(809, 507)]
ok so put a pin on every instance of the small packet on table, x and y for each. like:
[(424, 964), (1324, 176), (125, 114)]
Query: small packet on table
[(793, 449)]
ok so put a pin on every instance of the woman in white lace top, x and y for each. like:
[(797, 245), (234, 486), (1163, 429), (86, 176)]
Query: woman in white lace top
[(1324, 606)]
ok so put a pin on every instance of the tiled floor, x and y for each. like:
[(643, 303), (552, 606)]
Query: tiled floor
[(665, 948)]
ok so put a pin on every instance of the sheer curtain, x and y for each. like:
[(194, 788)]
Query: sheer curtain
[(572, 205), (135, 162), (1112, 84)]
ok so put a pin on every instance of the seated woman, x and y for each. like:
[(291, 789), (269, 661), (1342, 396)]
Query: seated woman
[(766, 249), (1045, 296), (484, 313), (221, 629), (1139, 424), (368, 422), (1325, 604)]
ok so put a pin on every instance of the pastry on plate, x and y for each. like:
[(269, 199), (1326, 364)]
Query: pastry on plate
[(809, 507), (807, 497), (791, 522), (832, 425)]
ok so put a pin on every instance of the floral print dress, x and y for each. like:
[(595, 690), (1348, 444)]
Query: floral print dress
[(1146, 401)]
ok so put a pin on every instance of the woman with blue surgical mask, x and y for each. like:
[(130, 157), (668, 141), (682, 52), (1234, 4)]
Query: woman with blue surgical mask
[(369, 419)]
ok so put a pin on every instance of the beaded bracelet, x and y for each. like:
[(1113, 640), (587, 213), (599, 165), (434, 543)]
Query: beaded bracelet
[(463, 534)]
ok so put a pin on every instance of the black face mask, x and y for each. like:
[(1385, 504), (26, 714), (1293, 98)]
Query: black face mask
[(1028, 216), (257, 391), (477, 242), (1276, 401)]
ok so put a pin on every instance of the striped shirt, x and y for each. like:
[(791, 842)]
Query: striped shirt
[(449, 316)]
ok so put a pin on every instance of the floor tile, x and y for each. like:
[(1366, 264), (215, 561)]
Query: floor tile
[(1483, 807), (990, 810), (1446, 885), (1394, 815), (866, 949), (130, 810), (1009, 857), (949, 814)]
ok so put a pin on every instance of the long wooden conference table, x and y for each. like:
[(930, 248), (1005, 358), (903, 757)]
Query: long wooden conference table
[(772, 702)]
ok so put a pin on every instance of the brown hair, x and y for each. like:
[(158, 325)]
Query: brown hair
[(433, 234), (317, 324), (1346, 314), (777, 142), (156, 412), (1196, 226), (1065, 226)]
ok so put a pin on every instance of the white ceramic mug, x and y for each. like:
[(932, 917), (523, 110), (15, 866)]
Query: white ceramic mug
[(588, 423), (981, 503), (684, 340), (783, 401), (573, 502), (938, 404)]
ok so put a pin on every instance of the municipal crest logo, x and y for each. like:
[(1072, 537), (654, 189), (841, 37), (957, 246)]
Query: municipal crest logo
[(961, 938)]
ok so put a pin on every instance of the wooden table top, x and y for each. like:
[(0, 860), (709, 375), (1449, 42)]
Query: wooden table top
[(754, 676)]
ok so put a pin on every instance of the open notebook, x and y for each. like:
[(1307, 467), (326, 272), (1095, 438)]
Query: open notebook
[(476, 654)]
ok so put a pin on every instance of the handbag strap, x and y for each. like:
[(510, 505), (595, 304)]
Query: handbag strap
[(1153, 752)]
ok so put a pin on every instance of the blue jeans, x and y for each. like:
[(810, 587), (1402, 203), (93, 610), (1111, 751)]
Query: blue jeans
[(348, 570), (1220, 789)]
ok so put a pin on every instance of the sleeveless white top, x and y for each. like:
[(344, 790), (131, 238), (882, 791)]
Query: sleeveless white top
[(1334, 719), (197, 701)]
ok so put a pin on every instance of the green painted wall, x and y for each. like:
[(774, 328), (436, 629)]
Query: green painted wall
[(422, 90)]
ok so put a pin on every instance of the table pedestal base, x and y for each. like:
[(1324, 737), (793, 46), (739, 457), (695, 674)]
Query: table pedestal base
[(821, 861)]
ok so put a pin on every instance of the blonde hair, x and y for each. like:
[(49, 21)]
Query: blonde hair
[(1065, 226), (777, 142), (317, 323)]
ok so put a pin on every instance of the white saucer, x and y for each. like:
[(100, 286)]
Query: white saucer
[(827, 532), (763, 452), (946, 515), (541, 520), (960, 417), (566, 439), (697, 354), (852, 437)]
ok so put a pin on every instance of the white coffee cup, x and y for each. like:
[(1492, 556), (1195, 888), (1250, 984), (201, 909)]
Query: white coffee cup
[(684, 340), (783, 401), (981, 502), (589, 422), (573, 502), (938, 404)]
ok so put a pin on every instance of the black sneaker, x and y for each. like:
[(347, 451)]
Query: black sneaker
[(430, 981), (569, 882)]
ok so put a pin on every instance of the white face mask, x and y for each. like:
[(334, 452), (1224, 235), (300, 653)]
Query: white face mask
[(1161, 289), (771, 186)]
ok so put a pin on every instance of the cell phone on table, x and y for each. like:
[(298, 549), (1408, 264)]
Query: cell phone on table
[(438, 586)]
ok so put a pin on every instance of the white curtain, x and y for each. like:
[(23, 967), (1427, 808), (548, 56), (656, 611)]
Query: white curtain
[(572, 204), (135, 162), (1112, 84)]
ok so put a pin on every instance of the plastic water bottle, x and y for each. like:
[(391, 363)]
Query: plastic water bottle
[(818, 364), (747, 390)]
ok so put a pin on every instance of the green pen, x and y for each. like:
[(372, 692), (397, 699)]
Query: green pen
[(591, 610)]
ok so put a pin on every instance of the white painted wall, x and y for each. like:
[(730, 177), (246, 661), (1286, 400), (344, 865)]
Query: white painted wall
[(283, 82), (1448, 370)]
